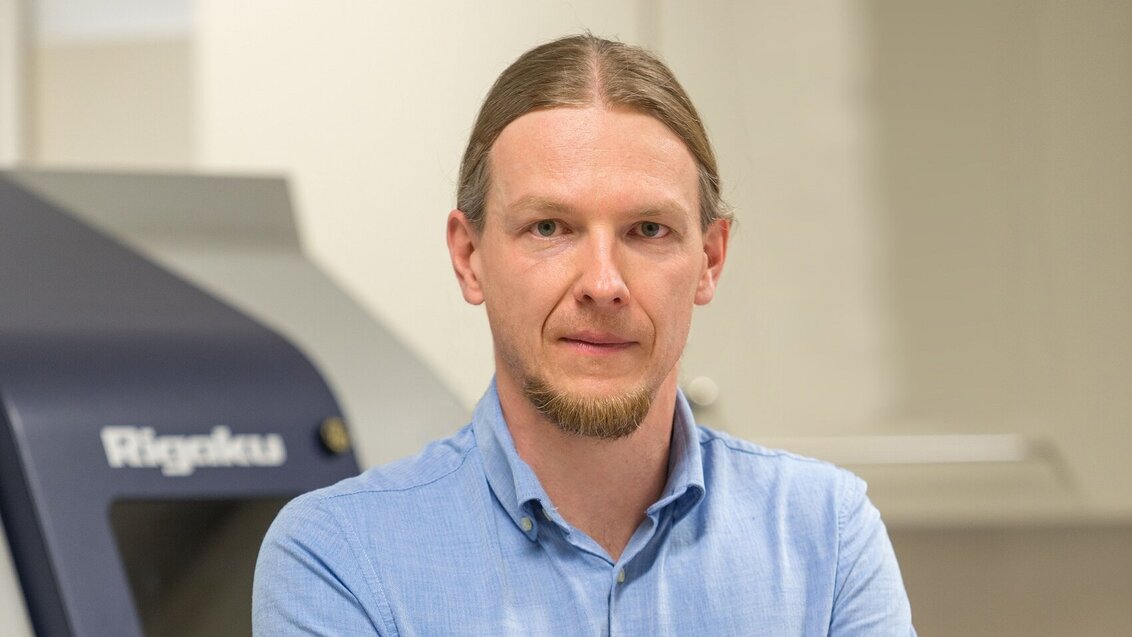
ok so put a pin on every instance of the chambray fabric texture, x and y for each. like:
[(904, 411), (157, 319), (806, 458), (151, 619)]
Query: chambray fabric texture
[(463, 540)]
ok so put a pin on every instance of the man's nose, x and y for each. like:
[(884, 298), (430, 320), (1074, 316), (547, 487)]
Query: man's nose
[(600, 280)]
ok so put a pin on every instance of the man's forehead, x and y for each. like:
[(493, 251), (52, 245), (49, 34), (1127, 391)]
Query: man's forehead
[(544, 156), (564, 125)]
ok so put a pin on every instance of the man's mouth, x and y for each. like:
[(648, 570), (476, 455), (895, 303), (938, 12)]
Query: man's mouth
[(597, 342)]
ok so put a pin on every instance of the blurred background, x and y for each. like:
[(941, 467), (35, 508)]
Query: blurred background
[(930, 282)]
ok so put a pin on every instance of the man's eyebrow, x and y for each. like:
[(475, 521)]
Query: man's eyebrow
[(669, 210), (541, 204), (661, 210)]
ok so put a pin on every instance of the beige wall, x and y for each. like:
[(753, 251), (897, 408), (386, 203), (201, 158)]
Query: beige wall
[(122, 104), (801, 311), (1000, 130), (1046, 581), (933, 237)]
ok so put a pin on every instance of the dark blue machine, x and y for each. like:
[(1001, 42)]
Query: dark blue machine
[(148, 434)]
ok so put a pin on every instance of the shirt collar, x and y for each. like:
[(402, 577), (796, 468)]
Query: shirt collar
[(685, 485), (509, 476), (519, 491)]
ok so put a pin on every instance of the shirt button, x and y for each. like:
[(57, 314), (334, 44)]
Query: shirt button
[(526, 524), (621, 576)]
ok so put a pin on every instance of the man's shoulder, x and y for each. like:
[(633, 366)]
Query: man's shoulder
[(774, 469), (430, 474)]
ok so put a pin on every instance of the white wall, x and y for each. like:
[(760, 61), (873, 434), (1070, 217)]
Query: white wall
[(367, 106), (86, 21), (13, 81), (108, 84)]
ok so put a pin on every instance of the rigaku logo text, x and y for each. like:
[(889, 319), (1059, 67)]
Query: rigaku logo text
[(142, 448)]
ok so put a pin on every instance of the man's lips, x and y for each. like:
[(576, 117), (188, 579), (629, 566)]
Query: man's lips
[(597, 342)]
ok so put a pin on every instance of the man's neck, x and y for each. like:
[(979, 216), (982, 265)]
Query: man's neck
[(599, 486)]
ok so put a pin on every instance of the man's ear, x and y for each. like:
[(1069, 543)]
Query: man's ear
[(715, 253), (463, 247)]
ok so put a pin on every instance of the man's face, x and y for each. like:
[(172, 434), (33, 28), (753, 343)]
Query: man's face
[(591, 255)]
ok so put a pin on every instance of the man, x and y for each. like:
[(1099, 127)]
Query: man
[(582, 499)]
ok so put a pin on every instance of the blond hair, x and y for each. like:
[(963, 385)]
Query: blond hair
[(578, 71)]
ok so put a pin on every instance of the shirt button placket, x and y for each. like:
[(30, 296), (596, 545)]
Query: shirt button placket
[(614, 629)]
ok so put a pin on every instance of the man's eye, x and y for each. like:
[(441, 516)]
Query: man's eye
[(652, 229), (546, 228)]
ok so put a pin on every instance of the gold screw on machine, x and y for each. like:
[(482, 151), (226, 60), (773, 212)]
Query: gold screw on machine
[(334, 435)]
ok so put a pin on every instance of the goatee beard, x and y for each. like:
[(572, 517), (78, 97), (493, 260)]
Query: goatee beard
[(606, 418)]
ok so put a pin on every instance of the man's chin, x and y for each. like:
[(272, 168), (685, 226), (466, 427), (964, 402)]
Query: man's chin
[(594, 410)]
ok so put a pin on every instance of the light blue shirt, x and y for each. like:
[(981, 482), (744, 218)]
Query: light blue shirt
[(463, 540)]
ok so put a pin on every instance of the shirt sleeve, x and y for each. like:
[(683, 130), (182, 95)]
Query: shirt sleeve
[(307, 581), (869, 596)]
